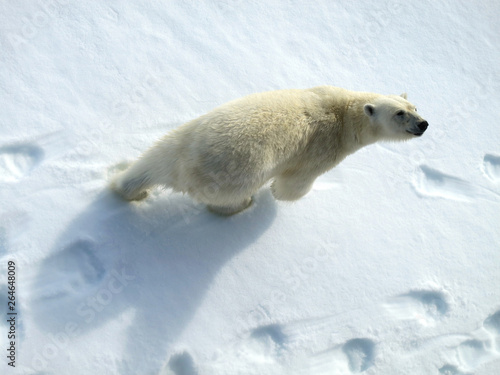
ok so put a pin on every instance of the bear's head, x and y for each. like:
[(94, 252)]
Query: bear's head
[(395, 118)]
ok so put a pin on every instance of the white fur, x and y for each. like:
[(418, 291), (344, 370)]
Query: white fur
[(291, 136)]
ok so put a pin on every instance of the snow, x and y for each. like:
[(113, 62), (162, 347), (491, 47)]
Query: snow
[(390, 265)]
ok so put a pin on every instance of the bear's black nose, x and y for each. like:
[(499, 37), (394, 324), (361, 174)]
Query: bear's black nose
[(423, 125)]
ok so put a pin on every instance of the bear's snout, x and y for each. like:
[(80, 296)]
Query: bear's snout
[(423, 125), (418, 128)]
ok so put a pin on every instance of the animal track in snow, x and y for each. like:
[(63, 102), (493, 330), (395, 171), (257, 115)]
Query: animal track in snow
[(302, 346), (360, 354), (181, 364), (74, 269), (353, 357), (266, 344), (426, 307), (473, 352), (16, 161), (450, 370), (491, 167), (492, 323), (432, 183), (271, 336)]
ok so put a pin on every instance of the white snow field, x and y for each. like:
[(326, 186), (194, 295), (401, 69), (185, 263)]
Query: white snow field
[(391, 265)]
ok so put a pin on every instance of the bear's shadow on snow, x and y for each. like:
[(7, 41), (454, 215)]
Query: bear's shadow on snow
[(146, 266)]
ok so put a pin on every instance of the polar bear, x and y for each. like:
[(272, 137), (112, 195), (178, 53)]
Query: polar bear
[(290, 136)]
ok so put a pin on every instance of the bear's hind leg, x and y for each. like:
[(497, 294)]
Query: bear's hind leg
[(291, 188), (230, 210), (131, 188), (152, 168)]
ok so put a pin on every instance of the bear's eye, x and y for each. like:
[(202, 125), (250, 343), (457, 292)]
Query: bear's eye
[(400, 113), (415, 109)]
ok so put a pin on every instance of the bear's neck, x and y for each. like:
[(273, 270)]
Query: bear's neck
[(357, 125)]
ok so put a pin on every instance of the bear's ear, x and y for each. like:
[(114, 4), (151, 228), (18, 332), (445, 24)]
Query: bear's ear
[(404, 96), (369, 109)]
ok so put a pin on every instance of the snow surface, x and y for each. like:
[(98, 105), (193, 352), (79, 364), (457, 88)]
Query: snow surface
[(391, 265)]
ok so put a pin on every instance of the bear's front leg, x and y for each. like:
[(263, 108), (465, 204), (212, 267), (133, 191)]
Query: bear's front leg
[(291, 187), (230, 210)]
